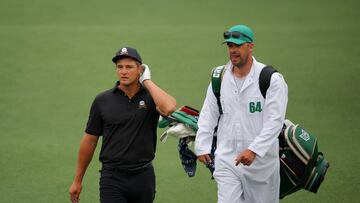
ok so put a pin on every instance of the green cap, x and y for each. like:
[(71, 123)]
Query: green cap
[(239, 34)]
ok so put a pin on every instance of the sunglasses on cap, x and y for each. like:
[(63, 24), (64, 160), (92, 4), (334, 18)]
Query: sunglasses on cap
[(236, 35)]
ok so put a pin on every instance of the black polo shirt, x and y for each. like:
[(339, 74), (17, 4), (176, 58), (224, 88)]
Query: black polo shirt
[(128, 127)]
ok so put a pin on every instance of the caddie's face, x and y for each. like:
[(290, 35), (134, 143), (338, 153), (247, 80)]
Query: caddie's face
[(240, 54), (128, 71)]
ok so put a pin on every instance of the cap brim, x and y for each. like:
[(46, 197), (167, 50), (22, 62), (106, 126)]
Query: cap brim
[(116, 58), (235, 41)]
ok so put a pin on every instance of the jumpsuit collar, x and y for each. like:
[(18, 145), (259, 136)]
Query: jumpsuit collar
[(249, 78)]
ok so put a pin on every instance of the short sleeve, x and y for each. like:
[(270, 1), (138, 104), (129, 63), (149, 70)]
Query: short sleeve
[(95, 122)]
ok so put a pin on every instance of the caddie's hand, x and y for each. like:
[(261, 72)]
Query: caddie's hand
[(205, 159), (145, 73), (246, 157), (75, 190)]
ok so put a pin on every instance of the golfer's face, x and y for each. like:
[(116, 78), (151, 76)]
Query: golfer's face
[(128, 71)]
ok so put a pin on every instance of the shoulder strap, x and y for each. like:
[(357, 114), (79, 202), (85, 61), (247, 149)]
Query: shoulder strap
[(216, 77), (264, 79), (218, 72)]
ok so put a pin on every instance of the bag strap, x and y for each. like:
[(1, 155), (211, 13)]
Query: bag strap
[(264, 79), (216, 77), (218, 73)]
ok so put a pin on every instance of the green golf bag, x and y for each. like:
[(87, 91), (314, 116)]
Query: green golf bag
[(301, 165)]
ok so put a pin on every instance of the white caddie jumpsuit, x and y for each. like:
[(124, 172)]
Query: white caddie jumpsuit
[(248, 122)]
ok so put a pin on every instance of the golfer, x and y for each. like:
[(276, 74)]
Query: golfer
[(126, 117)]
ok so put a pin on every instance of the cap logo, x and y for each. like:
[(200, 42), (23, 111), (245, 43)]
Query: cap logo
[(124, 51)]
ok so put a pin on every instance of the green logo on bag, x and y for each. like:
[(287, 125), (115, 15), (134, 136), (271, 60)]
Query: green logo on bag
[(255, 107), (304, 135)]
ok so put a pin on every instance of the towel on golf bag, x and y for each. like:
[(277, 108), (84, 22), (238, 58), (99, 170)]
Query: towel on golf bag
[(183, 125), (187, 157)]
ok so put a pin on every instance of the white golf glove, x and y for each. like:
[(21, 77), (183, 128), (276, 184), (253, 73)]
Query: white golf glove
[(146, 75)]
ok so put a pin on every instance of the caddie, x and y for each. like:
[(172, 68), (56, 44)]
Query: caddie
[(247, 153)]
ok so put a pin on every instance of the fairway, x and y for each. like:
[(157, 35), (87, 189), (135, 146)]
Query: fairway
[(55, 57)]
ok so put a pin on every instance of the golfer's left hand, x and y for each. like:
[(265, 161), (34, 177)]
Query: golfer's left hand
[(246, 157), (75, 190)]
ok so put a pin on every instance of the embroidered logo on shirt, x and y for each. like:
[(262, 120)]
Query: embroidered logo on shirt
[(142, 105), (255, 107)]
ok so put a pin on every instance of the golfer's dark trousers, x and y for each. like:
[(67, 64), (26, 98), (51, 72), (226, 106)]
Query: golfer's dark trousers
[(134, 185)]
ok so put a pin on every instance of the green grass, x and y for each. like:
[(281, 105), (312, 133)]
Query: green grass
[(56, 56)]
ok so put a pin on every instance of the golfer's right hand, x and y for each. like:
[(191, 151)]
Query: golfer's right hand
[(145, 74), (205, 159), (75, 190)]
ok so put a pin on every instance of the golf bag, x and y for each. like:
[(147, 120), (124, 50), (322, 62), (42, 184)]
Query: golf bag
[(301, 165)]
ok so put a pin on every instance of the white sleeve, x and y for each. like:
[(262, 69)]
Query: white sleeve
[(208, 120), (274, 115)]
